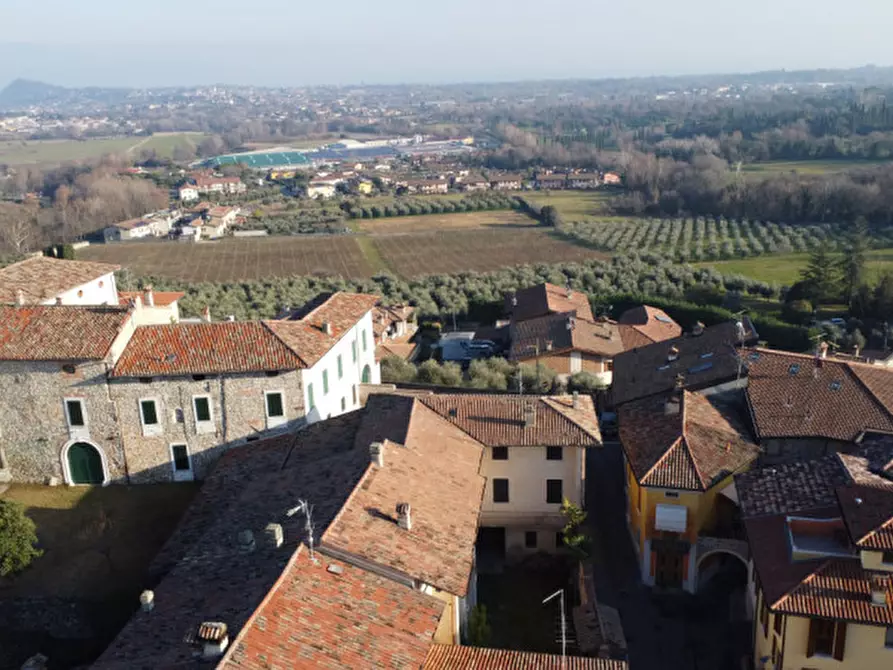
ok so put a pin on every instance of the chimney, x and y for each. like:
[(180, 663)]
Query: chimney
[(823, 350), (137, 303), (150, 296), (529, 415), (147, 601), (20, 297), (327, 328), (404, 520), (673, 354), (214, 638), (698, 329), (571, 323), (880, 585), (245, 540), (674, 402), (58, 299), (376, 454), (206, 314), (274, 535), (576, 397)]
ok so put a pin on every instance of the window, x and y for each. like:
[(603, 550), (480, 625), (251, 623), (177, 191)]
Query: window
[(826, 638), (365, 344), (69, 369), (500, 490), (325, 382), (311, 403), (554, 453), (554, 493), (559, 540), (671, 494), (181, 462), (199, 378), (888, 557), (530, 539), (145, 380), (275, 408), (776, 623), (888, 638), (500, 453), (354, 394), (340, 367), (149, 417), (343, 404), (353, 350), (74, 412), (201, 406)]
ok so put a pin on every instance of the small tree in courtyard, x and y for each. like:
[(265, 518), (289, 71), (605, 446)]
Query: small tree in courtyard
[(574, 536), (17, 538)]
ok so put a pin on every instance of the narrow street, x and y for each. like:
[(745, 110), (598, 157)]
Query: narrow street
[(663, 631)]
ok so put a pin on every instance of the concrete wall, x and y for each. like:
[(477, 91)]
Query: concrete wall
[(874, 560), (329, 404), (100, 291), (238, 411), (34, 432), (562, 364)]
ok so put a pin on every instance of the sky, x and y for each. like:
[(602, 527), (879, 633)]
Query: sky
[(304, 42)]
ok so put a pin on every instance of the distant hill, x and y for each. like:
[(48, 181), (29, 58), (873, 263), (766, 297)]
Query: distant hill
[(24, 92)]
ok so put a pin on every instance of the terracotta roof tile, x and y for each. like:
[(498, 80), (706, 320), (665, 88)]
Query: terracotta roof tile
[(651, 322), (868, 513), (342, 311), (791, 487), (205, 348), (563, 332), (333, 615), (403, 350), (543, 299), (632, 338), (704, 360), (59, 332), (455, 657), (161, 298), (42, 278), (691, 449), (498, 420), (796, 395)]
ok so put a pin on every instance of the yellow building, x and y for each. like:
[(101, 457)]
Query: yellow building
[(364, 187), (681, 453), (821, 535)]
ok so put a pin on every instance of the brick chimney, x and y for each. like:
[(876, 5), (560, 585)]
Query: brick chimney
[(376, 454), (206, 314), (880, 585), (150, 296), (214, 638), (404, 518)]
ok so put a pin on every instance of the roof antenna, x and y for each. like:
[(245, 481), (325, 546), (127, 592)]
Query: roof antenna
[(560, 593), (307, 509)]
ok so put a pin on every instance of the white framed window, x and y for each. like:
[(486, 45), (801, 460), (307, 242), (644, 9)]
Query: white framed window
[(204, 417), (576, 362), (181, 462), (76, 416), (150, 416), (274, 405)]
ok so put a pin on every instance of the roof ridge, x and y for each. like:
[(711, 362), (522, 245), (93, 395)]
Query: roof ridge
[(551, 401), (813, 574), (867, 388), (319, 306), (660, 460), (265, 325), (694, 462)]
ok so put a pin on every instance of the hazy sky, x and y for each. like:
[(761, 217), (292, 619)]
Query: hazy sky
[(294, 42)]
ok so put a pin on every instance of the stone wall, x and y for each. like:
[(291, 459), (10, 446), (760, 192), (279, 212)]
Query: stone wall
[(34, 430)]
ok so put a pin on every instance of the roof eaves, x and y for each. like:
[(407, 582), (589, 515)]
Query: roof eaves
[(660, 460), (790, 592)]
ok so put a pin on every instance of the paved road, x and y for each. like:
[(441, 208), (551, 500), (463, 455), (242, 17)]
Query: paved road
[(663, 632)]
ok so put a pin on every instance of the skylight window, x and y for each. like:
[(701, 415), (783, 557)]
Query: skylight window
[(663, 319), (755, 356), (709, 354), (835, 385), (702, 367), (794, 369)]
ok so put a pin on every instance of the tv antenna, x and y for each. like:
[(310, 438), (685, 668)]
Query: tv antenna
[(307, 510), (560, 593)]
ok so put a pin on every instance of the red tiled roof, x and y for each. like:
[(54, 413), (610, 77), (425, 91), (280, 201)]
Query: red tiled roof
[(42, 278), (868, 513), (342, 311), (445, 503), (334, 615), (791, 487), (632, 338), (796, 395), (456, 657), (162, 298), (404, 350), (498, 420), (59, 332), (555, 333), (545, 299), (651, 322), (692, 449), (204, 348)]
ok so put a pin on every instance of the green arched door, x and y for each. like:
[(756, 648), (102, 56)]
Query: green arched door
[(367, 375), (84, 464)]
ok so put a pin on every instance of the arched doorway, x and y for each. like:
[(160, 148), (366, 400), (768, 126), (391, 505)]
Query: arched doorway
[(84, 464), (367, 375)]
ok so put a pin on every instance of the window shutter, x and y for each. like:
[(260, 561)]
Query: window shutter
[(810, 642), (839, 640)]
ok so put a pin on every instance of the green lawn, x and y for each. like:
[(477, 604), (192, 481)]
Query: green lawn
[(54, 152), (575, 205), (806, 167), (165, 143), (785, 268)]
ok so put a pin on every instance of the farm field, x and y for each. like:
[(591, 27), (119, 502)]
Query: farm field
[(434, 222), (572, 205), (238, 260), (52, 152), (360, 256), (807, 167), (785, 268)]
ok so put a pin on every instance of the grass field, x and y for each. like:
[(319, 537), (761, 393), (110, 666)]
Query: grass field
[(785, 268), (434, 222), (573, 205), (408, 254), (807, 167), (53, 152)]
